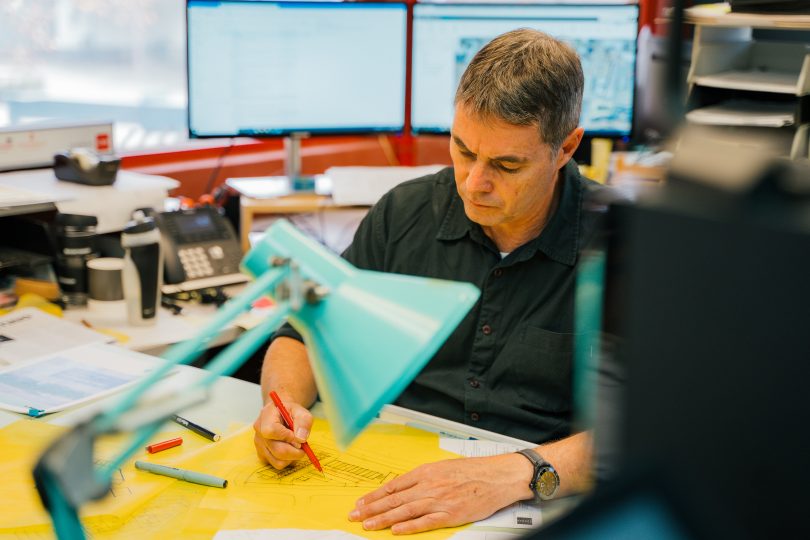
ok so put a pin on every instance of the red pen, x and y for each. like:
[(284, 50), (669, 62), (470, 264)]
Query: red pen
[(288, 421), (165, 445)]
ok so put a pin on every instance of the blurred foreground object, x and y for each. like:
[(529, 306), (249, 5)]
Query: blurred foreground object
[(770, 6), (705, 289), (368, 335)]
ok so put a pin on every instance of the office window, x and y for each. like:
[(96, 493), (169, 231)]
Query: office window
[(120, 60)]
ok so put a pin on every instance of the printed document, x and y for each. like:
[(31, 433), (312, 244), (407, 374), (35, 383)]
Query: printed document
[(29, 333), (70, 377)]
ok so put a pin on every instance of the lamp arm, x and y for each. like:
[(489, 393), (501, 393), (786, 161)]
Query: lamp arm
[(65, 474), (225, 363), (186, 351)]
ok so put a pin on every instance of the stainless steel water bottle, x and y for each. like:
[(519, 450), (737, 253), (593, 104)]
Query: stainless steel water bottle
[(142, 275)]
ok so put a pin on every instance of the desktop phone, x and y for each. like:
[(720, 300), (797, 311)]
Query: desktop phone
[(199, 244)]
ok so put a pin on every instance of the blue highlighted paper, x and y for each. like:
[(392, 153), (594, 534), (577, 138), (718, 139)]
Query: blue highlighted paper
[(73, 376)]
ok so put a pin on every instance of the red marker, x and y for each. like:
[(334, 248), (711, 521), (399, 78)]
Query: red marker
[(288, 421), (165, 445)]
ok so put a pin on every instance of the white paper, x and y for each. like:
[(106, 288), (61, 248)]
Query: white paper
[(365, 185), (29, 333), (519, 515), (71, 377), (475, 448), (516, 516), (761, 81), (745, 113), (303, 534)]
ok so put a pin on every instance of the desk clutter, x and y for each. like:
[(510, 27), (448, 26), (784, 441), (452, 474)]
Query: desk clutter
[(146, 504), (54, 229)]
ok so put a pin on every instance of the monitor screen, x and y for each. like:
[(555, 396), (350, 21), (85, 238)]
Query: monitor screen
[(447, 36), (261, 68)]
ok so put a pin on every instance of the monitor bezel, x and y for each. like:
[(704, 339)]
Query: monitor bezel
[(304, 131), (589, 135)]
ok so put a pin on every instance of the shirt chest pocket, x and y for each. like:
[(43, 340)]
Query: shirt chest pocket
[(538, 369)]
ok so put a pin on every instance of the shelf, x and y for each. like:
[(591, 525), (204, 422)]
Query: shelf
[(756, 81), (746, 92), (734, 62), (719, 15), (761, 141), (745, 113)]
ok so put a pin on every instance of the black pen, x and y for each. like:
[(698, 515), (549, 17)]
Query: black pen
[(199, 430)]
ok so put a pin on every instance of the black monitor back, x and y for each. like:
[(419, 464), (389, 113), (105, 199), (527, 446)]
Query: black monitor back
[(710, 294)]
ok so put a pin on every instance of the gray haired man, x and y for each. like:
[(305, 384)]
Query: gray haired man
[(507, 217)]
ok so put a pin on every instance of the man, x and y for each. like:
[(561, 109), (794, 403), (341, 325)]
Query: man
[(508, 218)]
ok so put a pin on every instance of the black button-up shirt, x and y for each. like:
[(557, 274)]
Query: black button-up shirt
[(507, 367)]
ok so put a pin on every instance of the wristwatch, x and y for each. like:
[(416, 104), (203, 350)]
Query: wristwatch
[(545, 480)]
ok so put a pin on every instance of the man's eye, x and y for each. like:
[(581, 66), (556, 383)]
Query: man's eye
[(507, 169)]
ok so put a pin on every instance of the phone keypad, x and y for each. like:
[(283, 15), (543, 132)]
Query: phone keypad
[(195, 262)]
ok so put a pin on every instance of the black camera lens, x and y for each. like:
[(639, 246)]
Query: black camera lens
[(76, 238)]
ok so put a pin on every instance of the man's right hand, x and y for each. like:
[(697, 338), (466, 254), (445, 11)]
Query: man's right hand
[(275, 444)]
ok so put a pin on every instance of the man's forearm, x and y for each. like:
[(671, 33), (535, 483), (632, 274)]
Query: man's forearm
[(286, 370)]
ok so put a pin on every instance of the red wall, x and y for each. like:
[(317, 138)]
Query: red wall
[(250, 157)]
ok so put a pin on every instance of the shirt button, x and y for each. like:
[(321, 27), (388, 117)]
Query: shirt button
[(475, 417), (474, 383), (498, 272), (486, 329)]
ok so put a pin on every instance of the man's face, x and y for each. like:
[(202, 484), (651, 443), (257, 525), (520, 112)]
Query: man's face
[(505, 174)]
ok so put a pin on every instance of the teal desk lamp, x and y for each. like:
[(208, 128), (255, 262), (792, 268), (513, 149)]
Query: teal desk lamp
[(368, 335)]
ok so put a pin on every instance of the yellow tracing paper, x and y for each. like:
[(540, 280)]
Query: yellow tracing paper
[(144, 505)]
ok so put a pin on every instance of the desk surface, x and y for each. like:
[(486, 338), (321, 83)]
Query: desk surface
[(232, 401), (298, 203), (168, 328), (113, 205)]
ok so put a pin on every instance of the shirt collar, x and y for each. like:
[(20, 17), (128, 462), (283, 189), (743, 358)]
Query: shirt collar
[(559, 239)]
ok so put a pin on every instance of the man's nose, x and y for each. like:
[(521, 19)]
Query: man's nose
[(478, 179)]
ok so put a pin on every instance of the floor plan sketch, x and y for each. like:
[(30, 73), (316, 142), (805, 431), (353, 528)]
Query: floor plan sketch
[(342, 472)]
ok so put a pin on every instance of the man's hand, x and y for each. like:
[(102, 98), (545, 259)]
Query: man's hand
[(445, 494), (275, 444)]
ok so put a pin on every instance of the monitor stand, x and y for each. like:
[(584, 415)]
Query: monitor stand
[(292, 164), (291, 183)]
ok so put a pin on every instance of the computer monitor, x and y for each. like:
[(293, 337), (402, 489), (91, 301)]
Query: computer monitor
[(446, 36), (265, 68)]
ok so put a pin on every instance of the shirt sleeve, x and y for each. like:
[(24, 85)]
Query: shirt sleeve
[(367, 251)]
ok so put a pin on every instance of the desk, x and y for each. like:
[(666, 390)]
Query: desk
[(167, 330), (297, 203), (231, 400), (112, 205), (274, 195)]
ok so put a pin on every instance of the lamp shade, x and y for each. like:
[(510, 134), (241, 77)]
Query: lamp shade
[(371, 334)]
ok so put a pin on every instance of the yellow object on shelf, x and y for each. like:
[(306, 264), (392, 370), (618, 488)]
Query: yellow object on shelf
[(46, 289), (34, 300), (600, 159)]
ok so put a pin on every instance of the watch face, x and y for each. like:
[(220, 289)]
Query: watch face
[(547, 483)]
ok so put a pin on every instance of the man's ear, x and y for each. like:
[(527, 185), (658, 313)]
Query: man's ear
[(569, 146)]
